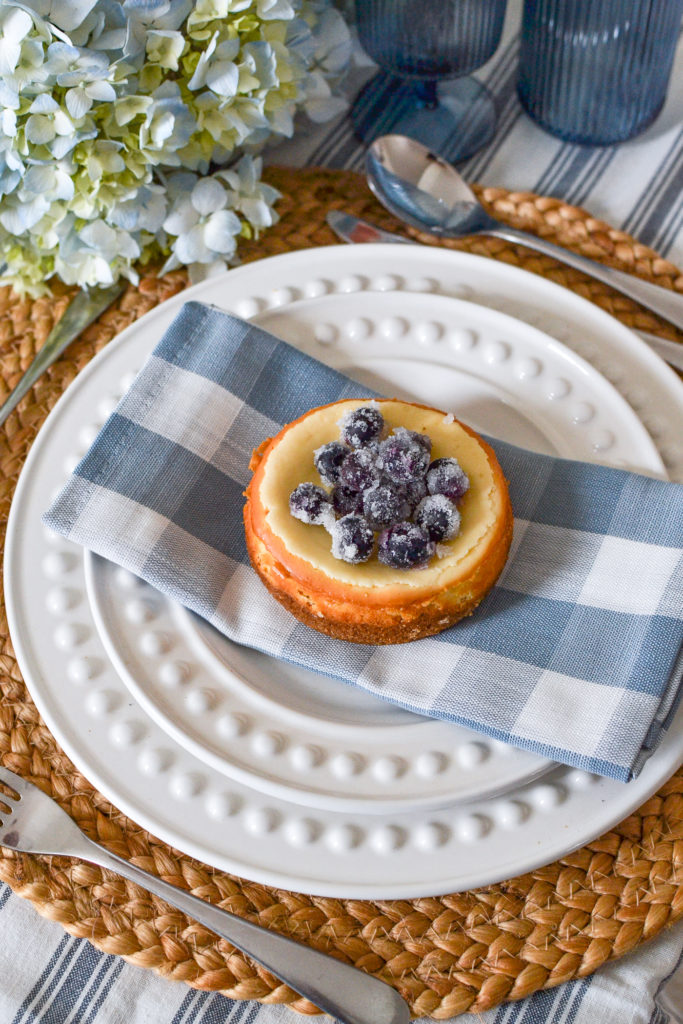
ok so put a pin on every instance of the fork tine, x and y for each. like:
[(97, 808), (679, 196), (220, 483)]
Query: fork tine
[(14, 782)]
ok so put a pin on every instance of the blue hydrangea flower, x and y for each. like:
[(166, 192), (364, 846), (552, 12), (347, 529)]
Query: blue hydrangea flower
[(204, 231), (112, 114)]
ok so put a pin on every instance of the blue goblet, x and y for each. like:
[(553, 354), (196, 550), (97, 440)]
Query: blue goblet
[(425, 50)]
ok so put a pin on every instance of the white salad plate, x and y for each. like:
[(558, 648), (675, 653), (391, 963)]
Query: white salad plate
[(284, 776)]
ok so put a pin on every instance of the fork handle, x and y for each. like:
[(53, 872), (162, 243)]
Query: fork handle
[(666, 303), (84, 310), (346, 992)]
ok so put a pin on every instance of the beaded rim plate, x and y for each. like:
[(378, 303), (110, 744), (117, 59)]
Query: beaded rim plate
[(158, 783), (291, 733)]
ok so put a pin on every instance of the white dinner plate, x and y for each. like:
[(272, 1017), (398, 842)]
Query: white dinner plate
[(298, 781)]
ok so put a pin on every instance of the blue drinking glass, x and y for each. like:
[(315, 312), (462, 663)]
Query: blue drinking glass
[(597, 71), (425, 50)]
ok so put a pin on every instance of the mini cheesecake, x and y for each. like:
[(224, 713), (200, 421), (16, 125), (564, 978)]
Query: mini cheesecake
[(375, 603)]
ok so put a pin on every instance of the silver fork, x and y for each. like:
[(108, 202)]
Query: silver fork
[(31, 822)]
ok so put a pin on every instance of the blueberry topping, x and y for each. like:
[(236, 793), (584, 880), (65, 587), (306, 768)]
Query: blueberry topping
[(328, 459), (413, 491), (310, 504), (423, 439), (405, 546), (446, 476), (438, 517), (352, 539), (402, 458), (376, 486), (345, 500), (383, 506), (359, 470), (360, 426)]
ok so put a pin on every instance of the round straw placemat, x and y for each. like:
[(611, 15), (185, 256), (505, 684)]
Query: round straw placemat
[(468, 951)]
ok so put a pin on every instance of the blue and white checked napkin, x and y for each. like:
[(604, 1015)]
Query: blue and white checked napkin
[(575, 654)]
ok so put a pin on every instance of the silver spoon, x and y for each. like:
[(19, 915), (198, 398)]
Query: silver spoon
[(425, 191)]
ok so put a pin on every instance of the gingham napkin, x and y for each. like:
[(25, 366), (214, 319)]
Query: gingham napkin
[(576, 652)]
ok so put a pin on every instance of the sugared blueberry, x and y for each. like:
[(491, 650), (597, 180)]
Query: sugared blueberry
[(328, 459), (413, 491), (438, 516), (446, 476), (402, 458), (384, 505), (359, 470), (311, 505), (352, 539), (423, 439), (405, 546), (362, 425), (345, 500)]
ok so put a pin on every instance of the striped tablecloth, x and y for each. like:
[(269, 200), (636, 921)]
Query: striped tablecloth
[(48, 977)]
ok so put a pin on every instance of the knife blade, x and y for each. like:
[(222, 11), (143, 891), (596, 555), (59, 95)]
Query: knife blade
[(353, 229), (83, 311)]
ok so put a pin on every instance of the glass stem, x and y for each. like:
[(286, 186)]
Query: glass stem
[(426, 94)]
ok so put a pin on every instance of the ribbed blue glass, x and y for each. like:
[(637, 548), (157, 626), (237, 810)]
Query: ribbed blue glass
[(597, 71), (430, 39)]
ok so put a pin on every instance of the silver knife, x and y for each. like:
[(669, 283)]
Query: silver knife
[(354, 229), (83, 311)]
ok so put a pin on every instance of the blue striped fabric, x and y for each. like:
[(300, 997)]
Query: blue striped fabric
[(574, 655)]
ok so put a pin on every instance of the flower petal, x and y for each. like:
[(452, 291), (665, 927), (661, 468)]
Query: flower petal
[(63, 124), (78, 103), (128, 107), (222, 78), (43, 104), (10, 52), (208, 195), (190, 247), (69, 14), (13, 220), (258, 213), (103, 92), (39, 129), (271, 9), (220, 230), (181, 219), (100, 236)]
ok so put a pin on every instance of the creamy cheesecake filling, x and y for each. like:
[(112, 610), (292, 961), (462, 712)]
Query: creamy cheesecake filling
[(290, 462)]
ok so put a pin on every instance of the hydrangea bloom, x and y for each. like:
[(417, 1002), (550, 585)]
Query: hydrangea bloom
[(128, 130)]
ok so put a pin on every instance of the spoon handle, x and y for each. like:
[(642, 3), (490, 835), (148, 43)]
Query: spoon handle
[(666, 303)]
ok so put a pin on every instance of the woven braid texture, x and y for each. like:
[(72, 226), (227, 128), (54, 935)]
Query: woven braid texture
[(463, 952)]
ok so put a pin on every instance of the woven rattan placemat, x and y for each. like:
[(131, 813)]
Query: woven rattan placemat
[(467, 951)]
